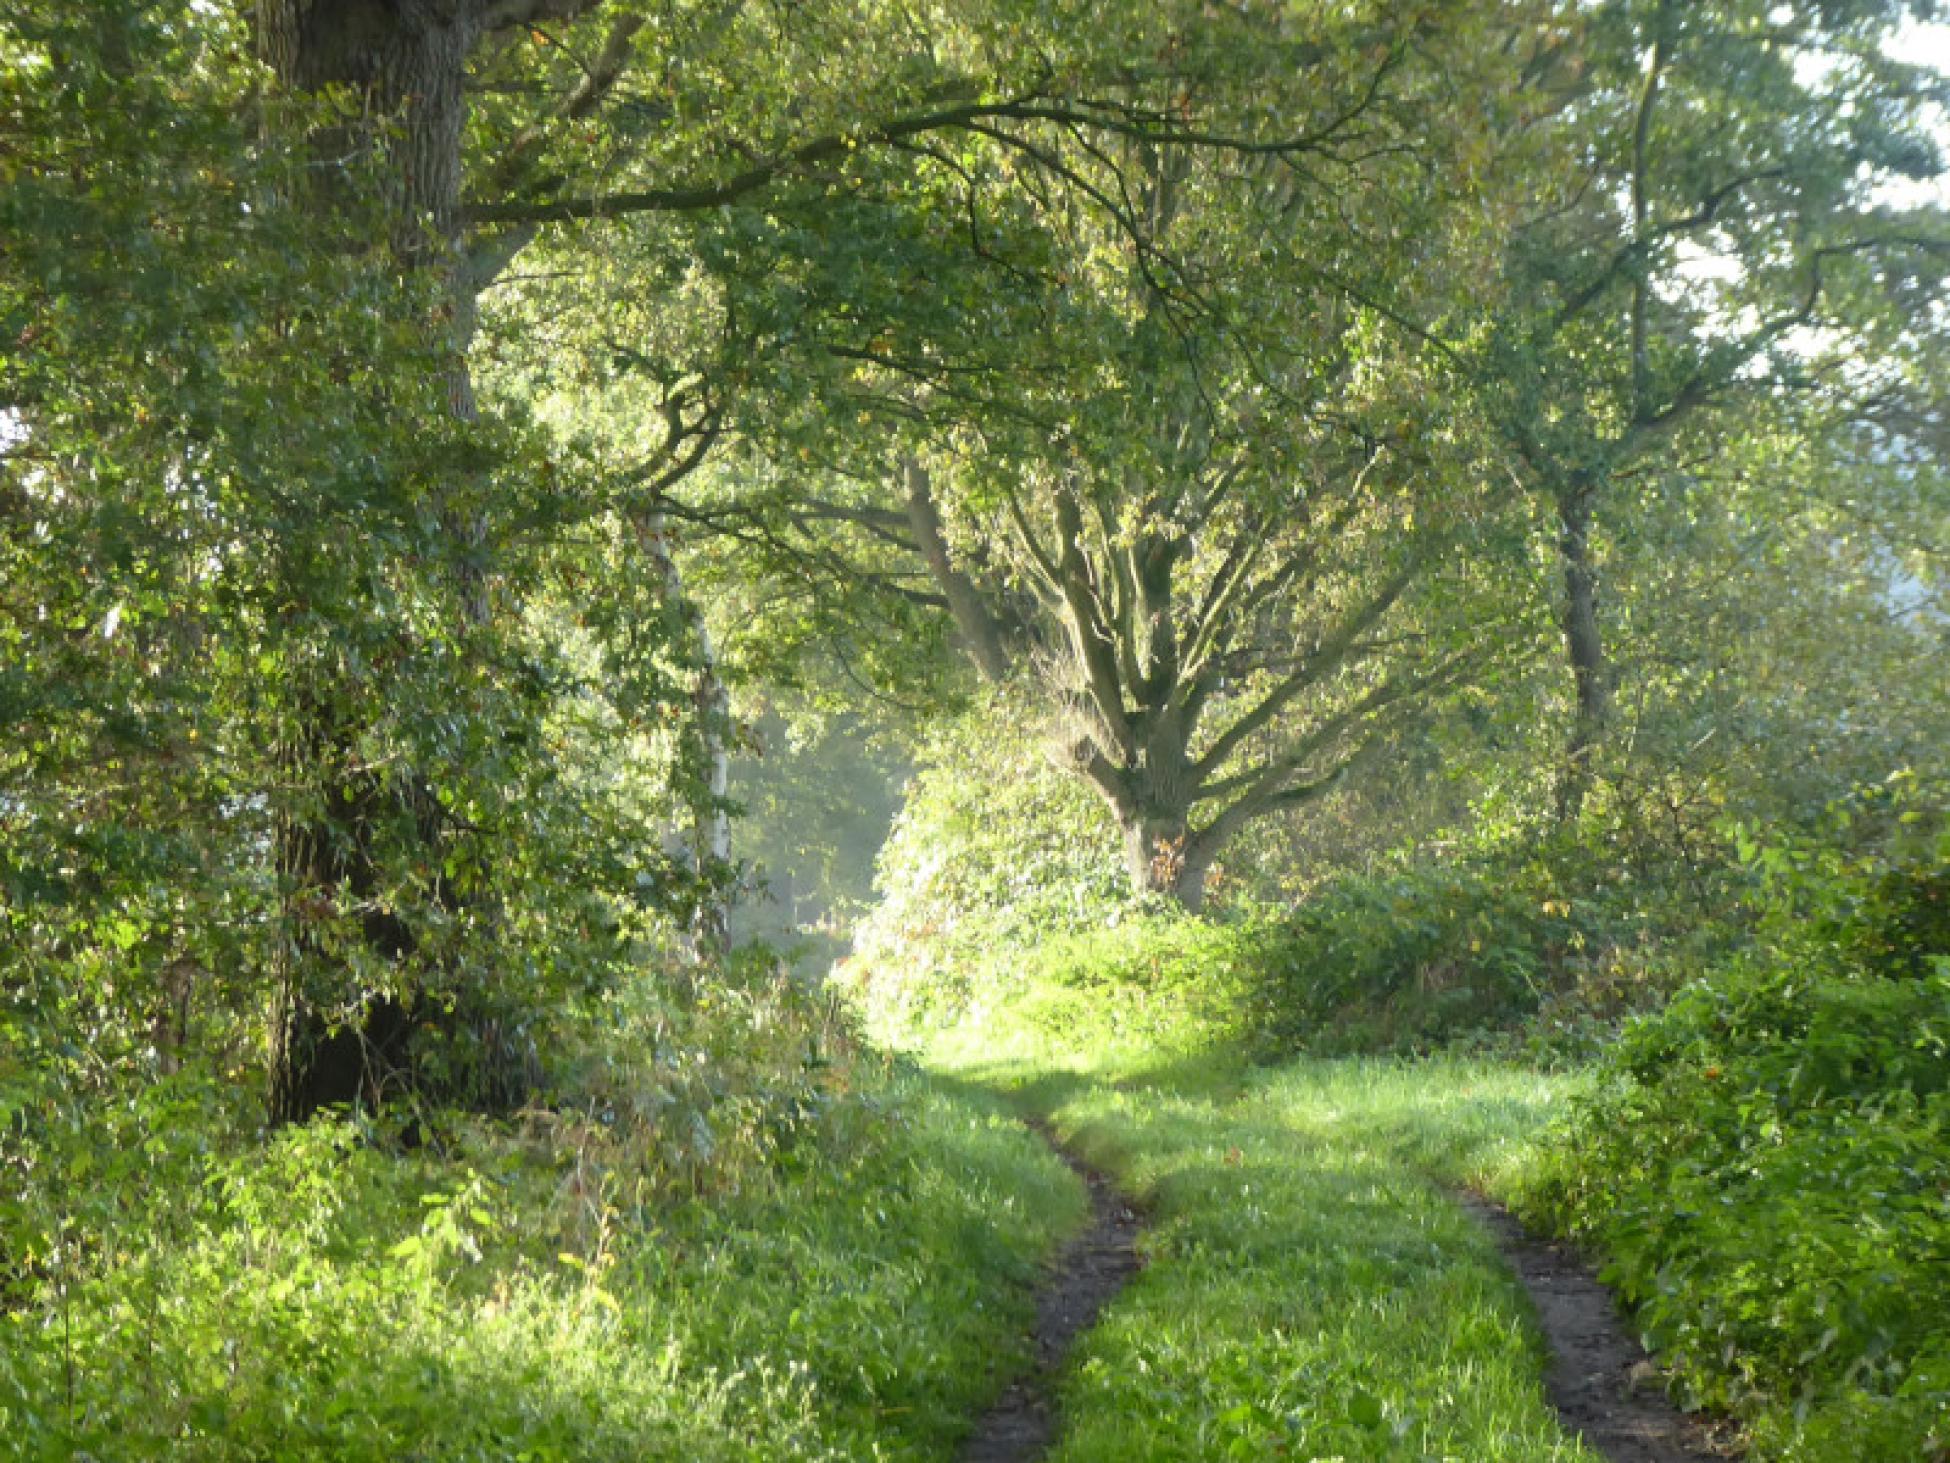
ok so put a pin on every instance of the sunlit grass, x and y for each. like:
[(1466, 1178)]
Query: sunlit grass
[(865, 1305), (1312, 1290), (1311, 1287)]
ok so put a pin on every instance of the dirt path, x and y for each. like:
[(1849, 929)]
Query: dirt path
[(1091, 1270), (1600, 1380)]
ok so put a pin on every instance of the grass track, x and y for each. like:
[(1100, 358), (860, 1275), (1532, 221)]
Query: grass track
[(1312, 1291)]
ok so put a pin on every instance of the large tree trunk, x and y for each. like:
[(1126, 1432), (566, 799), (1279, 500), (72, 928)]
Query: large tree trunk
[(405, 60), (1162, 856), (318, 1060), (1153, 805), (1584, 642)]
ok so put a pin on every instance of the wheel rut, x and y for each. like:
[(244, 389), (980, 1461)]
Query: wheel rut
[(1085, 1276), (1600, 1379)]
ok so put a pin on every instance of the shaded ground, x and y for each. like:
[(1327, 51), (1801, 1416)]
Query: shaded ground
[(1600, 1379), (1084, 1278)]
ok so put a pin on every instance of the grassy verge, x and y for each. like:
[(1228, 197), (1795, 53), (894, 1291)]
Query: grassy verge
[(1762, 1166), (337, 1300), (1766, 1161), (1767, 1168)]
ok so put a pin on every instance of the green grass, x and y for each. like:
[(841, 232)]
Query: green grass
[(1311, 1291), (341, 1301), (1761, 1165)]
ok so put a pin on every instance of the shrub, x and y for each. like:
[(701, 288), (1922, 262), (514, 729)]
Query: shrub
[(992, 843), (1407, 960), (1767, 1160), (1156, 982)]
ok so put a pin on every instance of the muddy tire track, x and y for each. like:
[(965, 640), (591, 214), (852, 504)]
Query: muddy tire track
[(1085, 1276), (1600, 1379)]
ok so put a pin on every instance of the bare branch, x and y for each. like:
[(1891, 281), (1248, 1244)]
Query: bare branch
[(1322, 660)]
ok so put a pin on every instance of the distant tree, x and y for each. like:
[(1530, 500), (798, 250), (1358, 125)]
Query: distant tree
[(498, 129), (1220, 520), (1724, 236)]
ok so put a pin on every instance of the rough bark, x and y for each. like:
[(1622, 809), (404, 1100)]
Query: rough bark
[(405, 61), (1163, 856)]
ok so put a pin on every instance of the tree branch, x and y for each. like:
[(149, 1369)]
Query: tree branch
[(1153, 127), (1325, 658), (977, 626), (1095, 651), (491, 15), (1274, 787)]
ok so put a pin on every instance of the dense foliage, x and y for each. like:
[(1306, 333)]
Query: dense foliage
[(713, 1240), (1454, 491), (1760, 1159), (1001, 883), (1765, 1161)]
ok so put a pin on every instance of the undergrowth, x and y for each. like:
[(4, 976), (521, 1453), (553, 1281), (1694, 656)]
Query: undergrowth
[(1531, 951), (731, 1234), (1766, 1162)]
